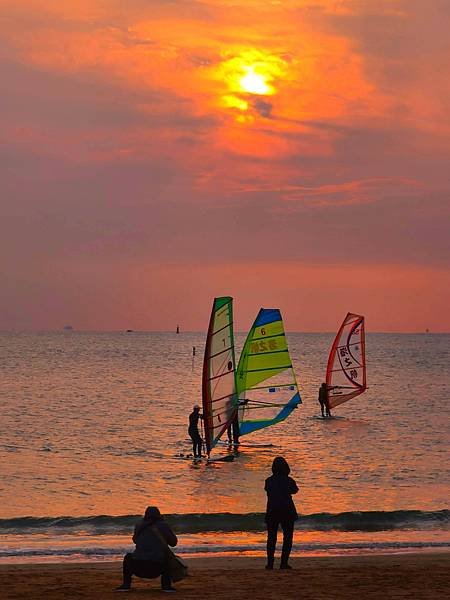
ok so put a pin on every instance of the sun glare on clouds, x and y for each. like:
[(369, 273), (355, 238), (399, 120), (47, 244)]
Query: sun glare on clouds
[(249, 72), (255, 83)]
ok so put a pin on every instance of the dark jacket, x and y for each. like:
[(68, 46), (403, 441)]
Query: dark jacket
[(323, 396), (193, 421), (280, 505), (148, 545)]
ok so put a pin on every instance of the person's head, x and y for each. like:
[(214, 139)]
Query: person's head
[(196, 407), (280, 466), (152, 513), (324, 385)]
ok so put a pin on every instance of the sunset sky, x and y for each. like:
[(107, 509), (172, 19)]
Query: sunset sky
[(157, 153)]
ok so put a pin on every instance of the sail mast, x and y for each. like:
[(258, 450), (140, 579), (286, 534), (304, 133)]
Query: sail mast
[(346, 368)]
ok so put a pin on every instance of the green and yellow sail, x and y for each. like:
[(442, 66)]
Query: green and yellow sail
[(266, 387)]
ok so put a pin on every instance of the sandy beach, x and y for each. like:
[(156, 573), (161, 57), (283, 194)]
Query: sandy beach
[(422, 577)]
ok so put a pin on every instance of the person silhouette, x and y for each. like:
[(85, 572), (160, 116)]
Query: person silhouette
[(149, 559), (194, 433), (280, 511), (324, 401)]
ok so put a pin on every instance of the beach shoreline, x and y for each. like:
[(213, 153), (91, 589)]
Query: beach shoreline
[(423, 576)]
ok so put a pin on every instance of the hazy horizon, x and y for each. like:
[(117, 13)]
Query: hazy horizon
[(196, 331)]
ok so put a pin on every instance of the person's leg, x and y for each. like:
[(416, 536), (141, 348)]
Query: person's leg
[(235, 428), (288, 533), (127, 572), (166, 581), (199, 443), (194, 444), (272, 530)]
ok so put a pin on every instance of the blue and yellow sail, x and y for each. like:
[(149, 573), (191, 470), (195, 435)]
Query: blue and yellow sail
[(266, 387)]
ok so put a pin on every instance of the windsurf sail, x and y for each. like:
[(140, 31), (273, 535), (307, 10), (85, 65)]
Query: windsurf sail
[(219, 371), (346, 369), (265, 382)]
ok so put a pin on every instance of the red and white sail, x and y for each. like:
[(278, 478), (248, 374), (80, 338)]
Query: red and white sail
[(346, 369)]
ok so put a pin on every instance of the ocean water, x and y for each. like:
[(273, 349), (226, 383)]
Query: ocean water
[(92, 427)]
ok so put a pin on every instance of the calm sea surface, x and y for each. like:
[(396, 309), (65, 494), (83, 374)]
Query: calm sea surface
[(91, 424)]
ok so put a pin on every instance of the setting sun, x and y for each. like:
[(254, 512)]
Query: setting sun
[(248, 72), (254, 83)]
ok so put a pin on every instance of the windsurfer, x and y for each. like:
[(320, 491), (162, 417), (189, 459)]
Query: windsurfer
[(280, 511), (233, 431), (194, 433), (323, 400)]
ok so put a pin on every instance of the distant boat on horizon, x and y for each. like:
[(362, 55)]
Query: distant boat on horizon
[(68, 328)]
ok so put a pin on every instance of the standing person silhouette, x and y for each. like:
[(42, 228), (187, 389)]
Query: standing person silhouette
[(194, 433), (280, 511), (324, 401)]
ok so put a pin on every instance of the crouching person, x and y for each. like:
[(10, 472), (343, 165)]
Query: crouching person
[(152, 536)]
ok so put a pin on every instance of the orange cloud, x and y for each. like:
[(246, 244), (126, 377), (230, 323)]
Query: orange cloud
[(307, 132)]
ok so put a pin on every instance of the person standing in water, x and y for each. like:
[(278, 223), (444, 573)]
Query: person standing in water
[(233, 431), (323, 400), (194, 433), (280, 511)]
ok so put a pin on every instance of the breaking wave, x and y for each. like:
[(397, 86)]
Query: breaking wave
[(204, 522)]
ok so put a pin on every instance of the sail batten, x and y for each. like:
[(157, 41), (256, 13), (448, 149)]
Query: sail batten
[(218, 384), (346, 368), (267, 337), (265, 357)]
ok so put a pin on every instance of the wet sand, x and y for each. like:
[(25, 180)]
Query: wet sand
[(419, 576)]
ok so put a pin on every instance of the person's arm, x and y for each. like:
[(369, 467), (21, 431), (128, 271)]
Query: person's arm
[(293, 488), (168, 534), (137, 529)]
